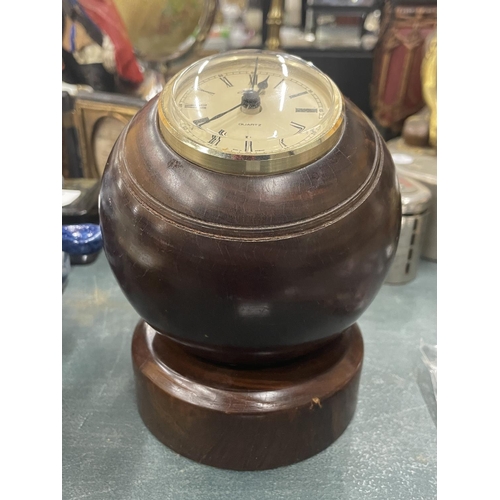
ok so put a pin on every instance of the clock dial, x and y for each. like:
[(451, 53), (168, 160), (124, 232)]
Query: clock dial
[(251, 112)]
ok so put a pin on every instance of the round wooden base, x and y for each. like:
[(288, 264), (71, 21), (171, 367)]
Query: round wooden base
[(248, 418)]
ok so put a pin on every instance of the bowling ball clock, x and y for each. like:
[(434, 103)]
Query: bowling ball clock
[(250, 214)]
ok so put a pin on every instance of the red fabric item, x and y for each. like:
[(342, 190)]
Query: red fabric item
[(106, 16)]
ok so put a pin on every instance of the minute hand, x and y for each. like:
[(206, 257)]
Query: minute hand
[(202, 121)]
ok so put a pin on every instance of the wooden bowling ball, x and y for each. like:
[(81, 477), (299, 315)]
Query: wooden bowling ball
[(250, 212)]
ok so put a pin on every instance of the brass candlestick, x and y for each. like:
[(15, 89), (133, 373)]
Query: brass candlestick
[(274, 20)]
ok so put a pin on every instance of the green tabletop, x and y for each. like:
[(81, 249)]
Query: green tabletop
[(387, 452)]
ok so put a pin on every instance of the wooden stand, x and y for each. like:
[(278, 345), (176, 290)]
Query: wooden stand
[(246, 418)]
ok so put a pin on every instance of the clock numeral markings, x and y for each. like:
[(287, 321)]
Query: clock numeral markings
[(195, 106), (214, 140), (298, 126), (206, 91), (226, 81), (282, 144), (279, 83), (222, 132), (306, 110), (248, 146), (253, 81), (293, 96)]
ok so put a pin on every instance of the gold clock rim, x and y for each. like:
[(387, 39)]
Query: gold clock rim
[(255, 164), (227, 163)]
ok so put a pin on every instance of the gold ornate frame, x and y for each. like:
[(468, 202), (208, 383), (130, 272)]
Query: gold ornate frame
[(89, 109)]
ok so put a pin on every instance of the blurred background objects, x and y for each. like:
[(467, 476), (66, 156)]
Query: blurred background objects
[(382, 54)]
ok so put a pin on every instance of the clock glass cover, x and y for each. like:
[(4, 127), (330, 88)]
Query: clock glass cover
[(251, 112)]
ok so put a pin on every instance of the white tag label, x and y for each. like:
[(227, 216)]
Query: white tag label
[(69, 196)]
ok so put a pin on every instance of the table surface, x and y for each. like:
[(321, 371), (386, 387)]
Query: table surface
[(387, 452)]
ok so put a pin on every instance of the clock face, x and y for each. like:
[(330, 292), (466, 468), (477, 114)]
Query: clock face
[(251, 112)]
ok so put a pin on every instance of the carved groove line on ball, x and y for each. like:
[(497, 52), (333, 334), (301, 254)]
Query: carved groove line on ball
[(296, 234), (362, 194)]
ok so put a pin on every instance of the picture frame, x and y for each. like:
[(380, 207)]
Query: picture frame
[(99, 117)]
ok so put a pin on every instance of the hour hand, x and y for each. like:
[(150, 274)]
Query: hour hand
[(263, 85)]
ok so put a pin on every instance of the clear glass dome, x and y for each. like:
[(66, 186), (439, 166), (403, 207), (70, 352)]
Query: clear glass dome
[(251, 112)]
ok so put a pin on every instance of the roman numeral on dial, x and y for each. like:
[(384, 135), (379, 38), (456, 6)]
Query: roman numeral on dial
[(293, 96), (298, 126), (277, 85), (226, 81), (253, 81), (214, 140), (248, 147), (282, 144)]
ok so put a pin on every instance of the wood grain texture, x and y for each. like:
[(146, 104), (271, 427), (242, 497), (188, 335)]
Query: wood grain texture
[(248, 356), (246, 419), (250, 269)]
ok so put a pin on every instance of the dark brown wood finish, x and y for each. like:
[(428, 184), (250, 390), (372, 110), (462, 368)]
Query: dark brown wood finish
[(248, 356), (246, 419), (250, 268)]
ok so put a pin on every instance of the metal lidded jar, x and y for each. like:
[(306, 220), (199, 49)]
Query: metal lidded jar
[(415, 202)]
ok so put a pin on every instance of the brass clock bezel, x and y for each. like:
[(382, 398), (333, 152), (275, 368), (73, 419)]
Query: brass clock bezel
[(249, 164)]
